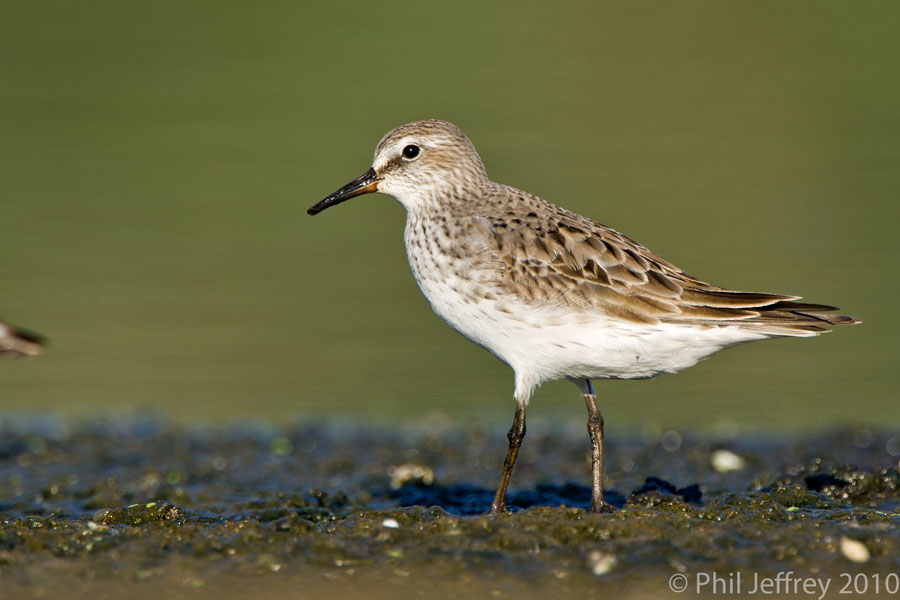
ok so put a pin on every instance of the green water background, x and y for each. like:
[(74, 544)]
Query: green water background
[(157, 159)]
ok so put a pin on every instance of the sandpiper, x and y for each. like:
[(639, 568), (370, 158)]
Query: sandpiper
[(551, 293), (16, 342)]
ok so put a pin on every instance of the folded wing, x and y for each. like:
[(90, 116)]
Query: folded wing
[(561, 258)]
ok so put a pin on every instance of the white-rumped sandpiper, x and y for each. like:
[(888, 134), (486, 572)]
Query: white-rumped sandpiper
[(551, 293)]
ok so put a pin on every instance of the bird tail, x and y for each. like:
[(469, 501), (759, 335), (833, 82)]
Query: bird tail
[(797, 319)]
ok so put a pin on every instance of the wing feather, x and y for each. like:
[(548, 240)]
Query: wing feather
[(552, 256)]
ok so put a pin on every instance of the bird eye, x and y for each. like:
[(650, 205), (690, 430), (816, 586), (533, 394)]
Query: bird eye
[(411, 152)]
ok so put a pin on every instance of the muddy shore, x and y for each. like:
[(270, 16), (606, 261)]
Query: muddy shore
[(144, 508)]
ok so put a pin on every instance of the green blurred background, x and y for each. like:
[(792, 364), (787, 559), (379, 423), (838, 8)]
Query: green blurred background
[(157, 160)]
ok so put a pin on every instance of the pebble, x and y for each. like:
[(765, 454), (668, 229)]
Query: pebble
[(601, 563), (854, 550), (726, 460)]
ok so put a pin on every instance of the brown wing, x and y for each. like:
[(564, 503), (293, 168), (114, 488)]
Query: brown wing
[(559, 257)]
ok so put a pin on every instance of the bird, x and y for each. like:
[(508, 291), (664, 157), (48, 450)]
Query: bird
[(551, 293), (16, 342)]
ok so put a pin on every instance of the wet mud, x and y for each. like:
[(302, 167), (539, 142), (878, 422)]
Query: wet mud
[(143, 508)]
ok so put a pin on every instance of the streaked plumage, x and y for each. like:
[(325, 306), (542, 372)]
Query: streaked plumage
[(551, 293)]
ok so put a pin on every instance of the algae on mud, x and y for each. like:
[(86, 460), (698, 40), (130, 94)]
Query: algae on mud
[(140, 507)]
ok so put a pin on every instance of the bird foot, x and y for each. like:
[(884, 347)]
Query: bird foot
[(602, 507), (497, 509)]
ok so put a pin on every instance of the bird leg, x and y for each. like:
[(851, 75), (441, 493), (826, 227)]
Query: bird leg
[(595, 430), (515, 436)]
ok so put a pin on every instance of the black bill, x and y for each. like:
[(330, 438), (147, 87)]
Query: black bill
[(364, 184)]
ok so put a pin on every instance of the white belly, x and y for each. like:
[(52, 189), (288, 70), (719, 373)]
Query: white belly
[(549, 342)]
